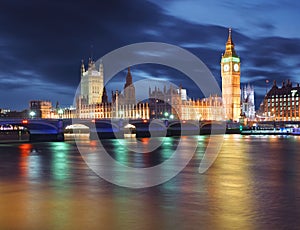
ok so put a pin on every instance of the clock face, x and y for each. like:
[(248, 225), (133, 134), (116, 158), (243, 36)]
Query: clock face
[(226, 67), (236, 67)]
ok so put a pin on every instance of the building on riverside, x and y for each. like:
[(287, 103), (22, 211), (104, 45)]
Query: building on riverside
[(123, 105), (173, 103), (281, 103), (40, 109)]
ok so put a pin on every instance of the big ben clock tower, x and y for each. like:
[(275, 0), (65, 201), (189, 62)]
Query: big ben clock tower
[(230, 72)]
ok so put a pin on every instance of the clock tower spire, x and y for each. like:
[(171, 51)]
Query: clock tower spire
[(230, 72)]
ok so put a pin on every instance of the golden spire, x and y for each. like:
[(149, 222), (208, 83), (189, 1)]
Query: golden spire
[(229, 40), (230, 52)]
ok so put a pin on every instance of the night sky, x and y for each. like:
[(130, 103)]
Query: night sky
[(42, 43)]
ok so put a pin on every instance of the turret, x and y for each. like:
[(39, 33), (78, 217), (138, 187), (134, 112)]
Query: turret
[(104, 96), (82, 68), (128, 78), (101, 68)]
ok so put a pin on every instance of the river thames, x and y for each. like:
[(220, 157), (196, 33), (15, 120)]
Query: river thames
[(253, 184)]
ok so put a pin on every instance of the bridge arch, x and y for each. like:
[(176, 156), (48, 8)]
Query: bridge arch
[(77, 128)]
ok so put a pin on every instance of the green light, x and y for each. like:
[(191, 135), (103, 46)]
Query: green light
[(229, 59), (166, 114), (121, 150), (59, 163)]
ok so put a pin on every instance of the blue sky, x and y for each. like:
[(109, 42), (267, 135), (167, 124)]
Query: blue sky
[(42, 42)]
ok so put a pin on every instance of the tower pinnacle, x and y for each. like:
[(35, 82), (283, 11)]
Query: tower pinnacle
[(128, 78), (129, 90), (229, 36), (230, 52), (82, 67)]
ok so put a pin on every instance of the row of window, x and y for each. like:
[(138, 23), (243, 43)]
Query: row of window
[(283, 104), (289, 95), (284, 99)]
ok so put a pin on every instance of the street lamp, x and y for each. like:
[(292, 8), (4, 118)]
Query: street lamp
[(60, 112), (166, 114), (32, 114), (171, 116)]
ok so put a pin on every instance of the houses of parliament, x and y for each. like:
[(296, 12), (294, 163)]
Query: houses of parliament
[(170, 102)]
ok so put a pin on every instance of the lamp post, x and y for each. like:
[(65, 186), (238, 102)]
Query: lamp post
[(32, 114), (166, 114), (60, 113)]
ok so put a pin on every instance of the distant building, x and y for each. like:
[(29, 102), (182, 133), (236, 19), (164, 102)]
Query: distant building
[(40, 109), (170, 103), (281, 103), (64, 113), (4, 112), (7, 113), (247, 102)]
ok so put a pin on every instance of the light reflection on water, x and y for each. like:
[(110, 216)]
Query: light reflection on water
[(254, 184)]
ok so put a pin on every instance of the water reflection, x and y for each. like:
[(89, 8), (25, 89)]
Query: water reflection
[(24, 154), (254, 184), (231, 187)]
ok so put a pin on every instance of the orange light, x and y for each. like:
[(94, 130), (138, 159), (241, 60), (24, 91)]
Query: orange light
[(25, 122), (183, 122), (145, 121)]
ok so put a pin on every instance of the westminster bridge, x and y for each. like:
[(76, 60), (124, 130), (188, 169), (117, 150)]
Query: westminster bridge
[(54, 129)]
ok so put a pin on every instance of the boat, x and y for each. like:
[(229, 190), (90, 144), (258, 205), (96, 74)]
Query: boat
[(11, 133)]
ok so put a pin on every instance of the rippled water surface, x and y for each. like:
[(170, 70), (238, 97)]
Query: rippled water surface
[(253, 184)]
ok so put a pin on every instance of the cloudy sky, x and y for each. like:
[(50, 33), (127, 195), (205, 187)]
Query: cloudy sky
[(42, 42)]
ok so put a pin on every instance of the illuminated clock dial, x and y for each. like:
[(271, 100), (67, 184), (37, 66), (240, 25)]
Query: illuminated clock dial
[(236, 67), (226, 67)]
